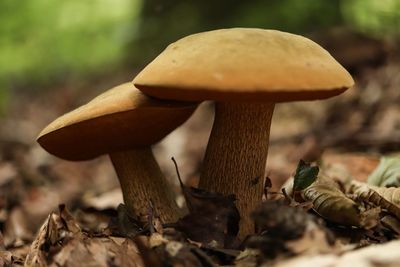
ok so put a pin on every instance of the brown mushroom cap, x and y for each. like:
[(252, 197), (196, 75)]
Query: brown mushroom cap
[(122, 118), (244, 65)]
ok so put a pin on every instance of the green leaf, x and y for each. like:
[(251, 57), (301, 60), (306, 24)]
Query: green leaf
[(305, 175), (387, 173)]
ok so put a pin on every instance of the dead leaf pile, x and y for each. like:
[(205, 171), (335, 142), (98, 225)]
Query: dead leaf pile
[(32, 184), (61, 242), (342, 201)]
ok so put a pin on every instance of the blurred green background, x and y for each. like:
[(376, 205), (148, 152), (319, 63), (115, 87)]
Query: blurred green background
[(44, 43)]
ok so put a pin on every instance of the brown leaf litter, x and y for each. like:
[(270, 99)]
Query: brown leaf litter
[(61, 242)]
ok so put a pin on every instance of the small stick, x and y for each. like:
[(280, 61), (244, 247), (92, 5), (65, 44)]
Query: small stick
[(177, 171)]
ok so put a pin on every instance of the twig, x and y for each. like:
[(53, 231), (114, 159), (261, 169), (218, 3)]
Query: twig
[(177, 171)]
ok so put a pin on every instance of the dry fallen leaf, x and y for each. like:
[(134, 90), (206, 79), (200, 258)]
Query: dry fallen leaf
[(333, 204), (392, 194), (61, 242), (37, 253), (213, 219), (365, 193)]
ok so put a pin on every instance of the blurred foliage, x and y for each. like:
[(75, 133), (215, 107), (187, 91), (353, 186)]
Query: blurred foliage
[(45, 41), (380, 18), (291, 15), (164, 21)]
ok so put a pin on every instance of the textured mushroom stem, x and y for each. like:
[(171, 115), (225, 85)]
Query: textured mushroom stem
[(236, 156), (142, 182)]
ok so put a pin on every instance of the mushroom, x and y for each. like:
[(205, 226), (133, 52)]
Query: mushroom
[(123, 123), (246, 71)]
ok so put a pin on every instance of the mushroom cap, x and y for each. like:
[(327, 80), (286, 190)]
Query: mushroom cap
[(242, 64), (121, 118)]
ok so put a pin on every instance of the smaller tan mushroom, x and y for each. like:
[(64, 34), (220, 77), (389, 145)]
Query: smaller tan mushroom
[(123, 123)]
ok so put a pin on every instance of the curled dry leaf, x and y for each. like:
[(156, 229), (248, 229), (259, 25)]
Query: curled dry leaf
[(332, 204), (37, 253), (392, 194), (57, 227), (365, 193)]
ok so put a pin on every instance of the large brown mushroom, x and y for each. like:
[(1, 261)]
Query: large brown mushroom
[(246, 71), (123, 123)]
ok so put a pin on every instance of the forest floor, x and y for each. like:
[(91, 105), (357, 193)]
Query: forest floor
[(59, 213)]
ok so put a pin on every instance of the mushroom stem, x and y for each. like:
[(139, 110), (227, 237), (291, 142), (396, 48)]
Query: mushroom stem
[(236, 155), (142, 181)]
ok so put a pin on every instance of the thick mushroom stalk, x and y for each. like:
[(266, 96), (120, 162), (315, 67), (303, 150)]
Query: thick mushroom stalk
[(236, 155), (142, 182)]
